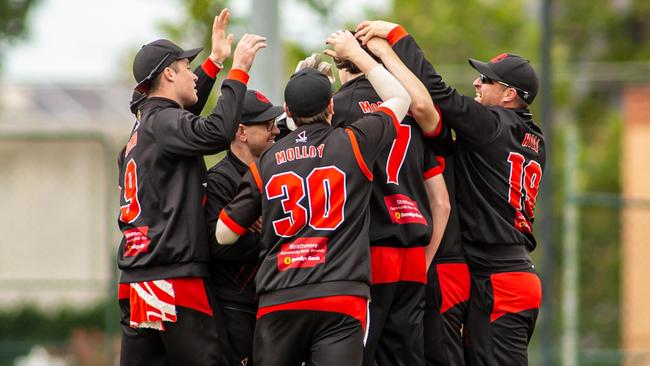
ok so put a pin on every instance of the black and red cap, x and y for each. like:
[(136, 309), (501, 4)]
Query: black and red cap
[(152, 59), (258, 108), (307, 93), (513, 70)]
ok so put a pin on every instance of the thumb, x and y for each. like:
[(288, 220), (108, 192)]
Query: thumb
[(330, 53)]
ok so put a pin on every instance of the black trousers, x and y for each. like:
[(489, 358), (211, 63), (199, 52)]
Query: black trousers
[(395, 325), (239, 322), (195, 339), (447, 296), (501, 318), (318, 338)]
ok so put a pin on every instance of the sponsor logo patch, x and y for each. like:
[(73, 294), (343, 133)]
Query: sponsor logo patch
[(302, 253), (403, 210), (137, 241)]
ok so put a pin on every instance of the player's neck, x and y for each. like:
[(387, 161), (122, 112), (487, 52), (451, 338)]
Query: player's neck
[(242, 153)]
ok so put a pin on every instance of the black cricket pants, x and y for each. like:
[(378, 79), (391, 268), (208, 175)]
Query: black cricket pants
[(318, 338), (503, 309), (395, 322), (447, 296), (195, 339)]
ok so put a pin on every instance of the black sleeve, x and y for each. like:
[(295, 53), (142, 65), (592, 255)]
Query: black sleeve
[(374, 132), (221, 190), (431, 164), (245, 208), (182, 133), (204, 86), (474, 123), (443, 143)]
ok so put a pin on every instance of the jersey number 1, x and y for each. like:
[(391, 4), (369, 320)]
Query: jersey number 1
[(326, 199), (524, 183)]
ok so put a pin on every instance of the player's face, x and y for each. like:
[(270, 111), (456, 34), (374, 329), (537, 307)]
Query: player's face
[(488, 92), (185, 83), (261, 136)]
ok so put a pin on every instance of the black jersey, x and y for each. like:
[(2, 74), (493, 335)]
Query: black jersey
[(162, 178), (312, 189), (499, 156), (400, 215), (232, 267)]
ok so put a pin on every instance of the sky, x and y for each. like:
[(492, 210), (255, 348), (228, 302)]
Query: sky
[(87, 41)]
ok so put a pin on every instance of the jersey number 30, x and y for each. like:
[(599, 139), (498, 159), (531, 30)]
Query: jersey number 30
[(524, 183), (326, 196)]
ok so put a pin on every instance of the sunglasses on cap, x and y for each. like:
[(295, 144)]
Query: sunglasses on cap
[(145, 84), (486, 80)]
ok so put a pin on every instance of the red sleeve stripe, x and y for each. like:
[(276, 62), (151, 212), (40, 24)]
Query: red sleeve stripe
[(239, 75), (357, 154), (436, 132), (256, 175), (436, 169), (232, 225), (390, 113), (396, 34), (210, 68)]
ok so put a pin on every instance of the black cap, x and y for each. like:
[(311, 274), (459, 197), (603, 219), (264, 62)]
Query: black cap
[(513, 70), (152, 59), (307, 93), (257, 108)]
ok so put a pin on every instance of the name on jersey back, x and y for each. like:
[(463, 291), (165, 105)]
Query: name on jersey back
[(299, 152)]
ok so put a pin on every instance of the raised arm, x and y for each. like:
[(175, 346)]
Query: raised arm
[(208, 70), (387, 87), (421, 107)]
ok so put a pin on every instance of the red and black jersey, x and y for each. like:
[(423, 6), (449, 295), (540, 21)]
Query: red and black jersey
[(499, 155), (162, 178), (312, 188), (400, 215), (233, 267)]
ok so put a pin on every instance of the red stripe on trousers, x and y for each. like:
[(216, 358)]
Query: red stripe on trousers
[(354, 306), (454, 284), (390, 265), (515, 292)]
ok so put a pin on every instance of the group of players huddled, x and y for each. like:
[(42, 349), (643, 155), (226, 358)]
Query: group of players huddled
[(387, 223)]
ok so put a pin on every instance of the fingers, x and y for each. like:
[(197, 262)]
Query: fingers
[(221, 21), (230, 39), (362, 27), (330, 53)]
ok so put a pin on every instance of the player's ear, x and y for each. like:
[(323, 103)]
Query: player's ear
[(286, 110), (241, 133), (510, 95)]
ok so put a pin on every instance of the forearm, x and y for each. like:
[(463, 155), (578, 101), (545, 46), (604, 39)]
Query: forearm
[(440, 209), (224, 234), (207, 74), (421, 106), (390, 91)]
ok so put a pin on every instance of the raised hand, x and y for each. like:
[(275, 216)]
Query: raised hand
[(378, 46), (221, 44), (345, 45), (246, 50), (315, 62), (373, 28)]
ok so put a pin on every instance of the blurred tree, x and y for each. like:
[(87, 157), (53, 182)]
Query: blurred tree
[(13, 21), (13, 18)]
